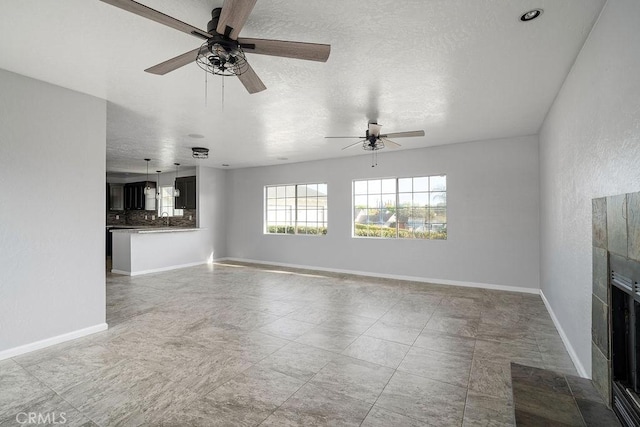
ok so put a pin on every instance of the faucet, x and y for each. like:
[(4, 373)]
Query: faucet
[(165, 214)]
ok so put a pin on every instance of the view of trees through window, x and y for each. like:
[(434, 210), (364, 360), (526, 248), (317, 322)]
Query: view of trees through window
[(296, 209), (409, 208), (166, 203)]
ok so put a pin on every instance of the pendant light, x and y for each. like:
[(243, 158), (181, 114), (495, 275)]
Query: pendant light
[(176, 191), (158, 186), (148, 191)]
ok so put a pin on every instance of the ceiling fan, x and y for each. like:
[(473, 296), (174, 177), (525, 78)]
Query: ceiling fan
[(373, 140), (223, 51)]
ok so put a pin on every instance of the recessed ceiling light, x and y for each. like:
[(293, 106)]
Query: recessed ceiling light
[(531, 15), (195, 135)]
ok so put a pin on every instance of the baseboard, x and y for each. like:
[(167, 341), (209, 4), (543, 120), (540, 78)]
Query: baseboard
[(392, 276), (567, 344), (158, 270), (17, 351)]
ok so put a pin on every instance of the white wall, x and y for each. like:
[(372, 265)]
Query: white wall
[(211, 204), (589, 147), (52, 239), (493, 216)]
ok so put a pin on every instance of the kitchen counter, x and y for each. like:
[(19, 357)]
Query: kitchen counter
[(142, 250), (144, 230)]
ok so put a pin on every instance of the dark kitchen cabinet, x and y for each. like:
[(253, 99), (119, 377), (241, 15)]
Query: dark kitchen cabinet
[(134, 197), (115, 197), (187, 187)]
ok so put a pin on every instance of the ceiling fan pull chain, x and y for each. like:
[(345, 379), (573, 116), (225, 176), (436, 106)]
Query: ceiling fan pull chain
[(205, 89)]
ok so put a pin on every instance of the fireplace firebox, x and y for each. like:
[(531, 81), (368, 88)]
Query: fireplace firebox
[(625, 338)]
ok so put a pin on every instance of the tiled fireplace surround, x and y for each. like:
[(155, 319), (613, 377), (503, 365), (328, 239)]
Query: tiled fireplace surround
[(616, 230)]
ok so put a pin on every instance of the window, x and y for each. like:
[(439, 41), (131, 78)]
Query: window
[(166, 203), (405, 208), (296, 209)]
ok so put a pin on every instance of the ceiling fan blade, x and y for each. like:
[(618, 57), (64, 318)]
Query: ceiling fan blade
[(154, 15), (345, 137), (234, 14), (354, 144), (390, 144), (374, 129), (403, 134), (251, 81), (174, 63), (287, 49)]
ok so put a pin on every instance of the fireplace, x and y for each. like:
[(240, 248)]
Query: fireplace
[(625, 338), (615, 304)]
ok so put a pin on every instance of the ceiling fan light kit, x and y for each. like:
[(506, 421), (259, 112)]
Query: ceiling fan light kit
[(223, 52)]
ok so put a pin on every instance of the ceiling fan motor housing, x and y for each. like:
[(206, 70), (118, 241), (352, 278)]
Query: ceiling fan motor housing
[(225, 56), (213, 24)]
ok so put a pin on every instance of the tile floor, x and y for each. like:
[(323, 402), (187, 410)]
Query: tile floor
[(543, 397), (232, 344)]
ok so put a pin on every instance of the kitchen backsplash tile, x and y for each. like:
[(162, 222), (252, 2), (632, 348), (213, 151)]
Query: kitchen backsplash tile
[(137, 217), (112, 220)]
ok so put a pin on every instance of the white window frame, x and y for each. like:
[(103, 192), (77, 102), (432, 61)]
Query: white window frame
[(286, 215), (428, 229)]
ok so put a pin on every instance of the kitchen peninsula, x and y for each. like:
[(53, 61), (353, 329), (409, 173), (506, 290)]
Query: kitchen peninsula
[(145, 250)]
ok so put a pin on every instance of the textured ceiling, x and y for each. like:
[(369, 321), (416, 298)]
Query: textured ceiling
[(461, 70)]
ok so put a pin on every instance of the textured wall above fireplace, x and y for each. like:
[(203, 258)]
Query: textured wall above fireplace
[(616, 230)]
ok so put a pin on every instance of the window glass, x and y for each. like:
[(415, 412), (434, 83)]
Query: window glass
[(360, 187), (388, 185), (438, 183), (375, 186), (405, 185), (296, 209), (166, 203), (410, 208), (421, 183)]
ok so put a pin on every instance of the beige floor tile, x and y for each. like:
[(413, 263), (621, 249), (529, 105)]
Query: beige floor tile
[(438, 341), (448, 368), (379, 417), (375, 350), (354, 378), (316, 406), (394, 333), (234, 344), (426, 400)]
